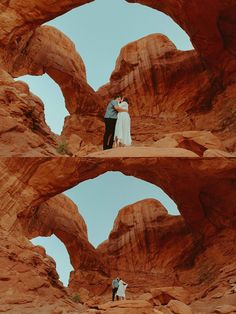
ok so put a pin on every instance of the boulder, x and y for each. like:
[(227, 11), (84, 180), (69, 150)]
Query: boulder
[(178, 307)]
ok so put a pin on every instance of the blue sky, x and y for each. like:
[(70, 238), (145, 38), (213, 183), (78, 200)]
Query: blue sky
[(99, 30), (100, 199)]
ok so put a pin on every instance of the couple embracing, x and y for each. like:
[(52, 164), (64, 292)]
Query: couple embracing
[(117, 123), (118, 289)]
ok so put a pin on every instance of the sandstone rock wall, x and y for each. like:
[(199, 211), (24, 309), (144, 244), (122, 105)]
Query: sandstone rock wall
[(29, 281), (60, 216), (28, 48), (211, 29), (19, 17), (193, 183), (169, 91), (148, 248), (206, 234), (146, 243), (23, 129)]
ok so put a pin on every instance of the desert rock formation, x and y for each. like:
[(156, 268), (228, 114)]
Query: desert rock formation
[(193, 183), (147, 242), (202, 240), (210, 28), (29, 281), (182, 106), (28, 48), (60, 216), (158, 256), (23, 129), (169, 90), (163, 85)]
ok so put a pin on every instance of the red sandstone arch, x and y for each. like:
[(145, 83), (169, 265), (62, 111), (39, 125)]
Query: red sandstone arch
[(57, 216), (210, 26), (23, 16), (48, 50), (203, 189), (41, 178), (60, 216)]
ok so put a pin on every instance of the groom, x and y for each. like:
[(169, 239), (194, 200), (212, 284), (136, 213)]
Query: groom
[(110, 121), (115, 285)]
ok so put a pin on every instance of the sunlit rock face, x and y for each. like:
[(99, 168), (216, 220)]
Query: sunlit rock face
[(195, 184), (29, 281), (211, 29), (196, 141), (60, 216), (162, 85), (150, 249), (169, 91), (28, 48), (148, 243), (22, 123), (195, 251), (50, 51), (19, 17)]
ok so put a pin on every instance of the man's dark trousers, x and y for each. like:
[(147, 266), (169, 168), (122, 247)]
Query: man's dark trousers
[(108, 138), (114, 290)]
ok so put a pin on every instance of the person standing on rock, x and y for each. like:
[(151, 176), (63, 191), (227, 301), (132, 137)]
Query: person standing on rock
[(110, 119), (121, 290), (122, 134), (115, 285)]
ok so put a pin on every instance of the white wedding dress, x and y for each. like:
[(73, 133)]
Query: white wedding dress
[(121, 289), (122, 130)]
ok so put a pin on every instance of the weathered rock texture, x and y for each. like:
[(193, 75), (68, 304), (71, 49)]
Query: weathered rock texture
[(203, 241), (195, 141), (48, 50), (20, 17), (60, 216), (22, 125), (147, 242), (193, 183), (28, 48), (32, 280), (57, 216), (176, 91), (157, 254), (160, 82), (211, 28), (29, 281), (169, 90)]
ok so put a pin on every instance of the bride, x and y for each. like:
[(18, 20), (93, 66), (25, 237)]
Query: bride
[(122, 135), (121, 290)]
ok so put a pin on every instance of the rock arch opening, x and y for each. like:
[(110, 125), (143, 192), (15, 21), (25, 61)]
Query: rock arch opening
[(57, 250), (65, 66), (111, 198), (50, 93), (29, 48), (40, 181), (100, 199), (103, 27)]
